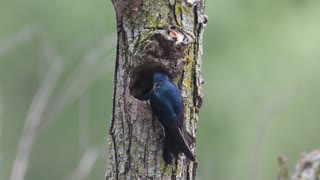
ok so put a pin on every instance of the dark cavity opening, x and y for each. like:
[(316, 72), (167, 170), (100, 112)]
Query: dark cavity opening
[(141, 81)]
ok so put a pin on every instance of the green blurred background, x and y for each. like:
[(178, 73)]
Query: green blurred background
[(261, 68)]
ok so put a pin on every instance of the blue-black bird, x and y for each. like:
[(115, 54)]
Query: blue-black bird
[(166, 103)]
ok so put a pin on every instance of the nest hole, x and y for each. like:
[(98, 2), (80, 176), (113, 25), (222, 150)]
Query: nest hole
[(141, 80)]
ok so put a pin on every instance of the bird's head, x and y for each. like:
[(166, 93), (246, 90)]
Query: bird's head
[(159, 78)]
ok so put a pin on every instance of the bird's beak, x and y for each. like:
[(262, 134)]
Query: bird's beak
[(155, 86)]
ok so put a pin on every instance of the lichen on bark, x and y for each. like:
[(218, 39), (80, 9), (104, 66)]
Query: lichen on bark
[(153, 35), (308, 167)]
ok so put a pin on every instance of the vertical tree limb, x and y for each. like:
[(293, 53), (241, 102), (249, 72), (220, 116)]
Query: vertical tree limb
[(153, 35)]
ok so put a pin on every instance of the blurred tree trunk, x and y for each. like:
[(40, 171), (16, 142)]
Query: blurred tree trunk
[(153, 35), (307, 168)]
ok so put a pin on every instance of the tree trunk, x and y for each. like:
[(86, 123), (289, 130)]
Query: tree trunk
[(153, 35), (307, 168)]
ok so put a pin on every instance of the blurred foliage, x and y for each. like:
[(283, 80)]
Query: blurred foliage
[(260, 64)]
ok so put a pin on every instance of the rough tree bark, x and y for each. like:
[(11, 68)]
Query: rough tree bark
[(153, 35), (307, 168)]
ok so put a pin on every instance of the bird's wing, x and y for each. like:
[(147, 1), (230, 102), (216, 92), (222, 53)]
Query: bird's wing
[(163, 109), (178, 105), (180, 115), (170, 122)]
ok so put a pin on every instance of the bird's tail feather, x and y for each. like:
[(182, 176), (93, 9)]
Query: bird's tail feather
[(184, 141), (170, 149), (177, 140)]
